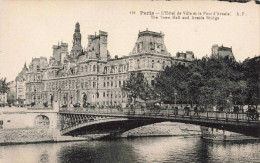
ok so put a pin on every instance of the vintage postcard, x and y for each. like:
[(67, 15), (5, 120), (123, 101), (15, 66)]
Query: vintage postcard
[(129, 81)]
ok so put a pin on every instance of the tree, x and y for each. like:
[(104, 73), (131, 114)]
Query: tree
[(137, 87), (3, 86), (209, 81), (251, 74)]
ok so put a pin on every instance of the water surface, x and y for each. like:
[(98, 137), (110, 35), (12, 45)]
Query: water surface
[(145, 149)]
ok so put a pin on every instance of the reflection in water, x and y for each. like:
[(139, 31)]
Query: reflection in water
[(147, 149)]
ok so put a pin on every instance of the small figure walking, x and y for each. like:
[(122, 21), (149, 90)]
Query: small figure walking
[(186, 110), (176, 110), (196, 112)]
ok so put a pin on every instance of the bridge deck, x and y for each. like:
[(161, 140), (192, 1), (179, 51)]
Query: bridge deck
[(182, 116)]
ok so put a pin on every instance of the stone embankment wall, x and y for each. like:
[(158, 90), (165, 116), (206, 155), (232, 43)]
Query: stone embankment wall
[(14, 136)]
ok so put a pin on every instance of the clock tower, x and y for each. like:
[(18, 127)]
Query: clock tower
[(76, 48)]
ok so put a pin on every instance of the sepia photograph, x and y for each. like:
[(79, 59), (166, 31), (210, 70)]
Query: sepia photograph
[(129, 81)]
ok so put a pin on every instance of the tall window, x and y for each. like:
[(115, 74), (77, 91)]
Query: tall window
[(152, 63), (163, 64), (138, 64), (94, 68), (152, 81)]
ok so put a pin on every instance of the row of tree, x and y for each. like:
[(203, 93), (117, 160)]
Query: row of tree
[(208, 81)]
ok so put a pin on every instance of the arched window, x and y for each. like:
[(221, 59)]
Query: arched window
[(152, 81), (94, 68), (152, 63), (42, 121), (97, 95)]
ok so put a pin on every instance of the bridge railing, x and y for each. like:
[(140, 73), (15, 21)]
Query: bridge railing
[(164, 112)]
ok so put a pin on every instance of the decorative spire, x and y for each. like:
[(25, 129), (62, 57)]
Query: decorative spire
[(25, 67), (77, 27)]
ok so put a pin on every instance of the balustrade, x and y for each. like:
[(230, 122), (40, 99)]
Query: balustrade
[(163, 112)]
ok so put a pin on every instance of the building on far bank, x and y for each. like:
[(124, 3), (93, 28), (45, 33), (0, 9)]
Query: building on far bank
[(3, 99), (16, 95), (90, 76), (20, 86), (221, 51)]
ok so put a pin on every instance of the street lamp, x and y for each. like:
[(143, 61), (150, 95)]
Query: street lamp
[(59, 95), (34, 98), (175, 95), (108, 97), (230, 100)]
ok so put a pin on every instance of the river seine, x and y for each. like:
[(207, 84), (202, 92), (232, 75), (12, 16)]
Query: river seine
[(142, 149)]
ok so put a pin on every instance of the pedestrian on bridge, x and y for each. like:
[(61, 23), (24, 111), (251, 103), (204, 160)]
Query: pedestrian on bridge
[(186, 110), (176, 110), (196, 111)]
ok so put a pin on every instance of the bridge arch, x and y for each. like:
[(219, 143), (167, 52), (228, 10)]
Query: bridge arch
[(41, 121), (242, 126)]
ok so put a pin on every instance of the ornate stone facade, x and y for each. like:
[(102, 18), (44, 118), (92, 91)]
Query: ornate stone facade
[(91, 76)]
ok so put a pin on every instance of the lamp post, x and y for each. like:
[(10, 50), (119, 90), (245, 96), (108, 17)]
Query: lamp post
[(108, 100), (175, 95), (59, 93), (230, 100), (34, 98)]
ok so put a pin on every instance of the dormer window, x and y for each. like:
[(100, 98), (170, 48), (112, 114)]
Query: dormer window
[(139, 47), (152, 46)]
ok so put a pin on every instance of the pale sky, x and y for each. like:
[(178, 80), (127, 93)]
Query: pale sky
[(29, 29)]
